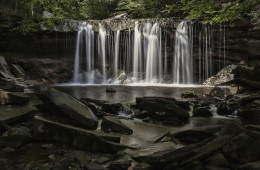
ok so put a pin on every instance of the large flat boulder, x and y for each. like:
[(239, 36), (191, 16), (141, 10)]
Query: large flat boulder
[(60, 102), (14, 113), (7, 98), (115, 125), (92, 141)]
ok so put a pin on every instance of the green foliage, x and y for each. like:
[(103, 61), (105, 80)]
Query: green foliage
[(212, 11)]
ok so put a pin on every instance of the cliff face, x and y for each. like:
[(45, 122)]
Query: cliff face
[(242, 42)]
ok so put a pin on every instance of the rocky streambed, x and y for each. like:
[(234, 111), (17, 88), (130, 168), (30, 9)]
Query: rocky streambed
[(44, 127)]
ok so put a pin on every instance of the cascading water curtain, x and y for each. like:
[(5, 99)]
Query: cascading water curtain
[(146, 54), (183, 62)]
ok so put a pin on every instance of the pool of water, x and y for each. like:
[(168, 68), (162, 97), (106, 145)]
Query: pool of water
[(128, 93)]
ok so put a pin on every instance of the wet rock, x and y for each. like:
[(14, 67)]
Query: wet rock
[(97, 102), (77, 138), (142, 166), (18, 71), (15, 137), (227, 107), (112, 108), (253, 127), (122, 78), (225, 75), (12, 85), (189, 95), (218, 160), (141, 114), (250, 166), (4, 67), (120, 164), (112, 124), (110, 90), (220, 92), (163, 110), (8, 150), (60, 102), (94, 108), (16, 113), (7, 98), (192, 136), (202, 112), (101, 114), (184, 104)]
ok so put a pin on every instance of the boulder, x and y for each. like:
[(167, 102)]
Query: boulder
[(15, 113), (202, 112), (63, 103), (122, 77), (110, 90), (112, 108), (7, 98), (15, 137), (163, 109), (225, 75), (220, 92), (192, 136), (4, 67), (123, 163), (189, 95), (115, 125), (250, 166), (77, 138), (97, 102), (18, 71), (12, 85)]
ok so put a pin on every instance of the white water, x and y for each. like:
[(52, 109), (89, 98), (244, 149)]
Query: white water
[(182, 68), (148, 54)]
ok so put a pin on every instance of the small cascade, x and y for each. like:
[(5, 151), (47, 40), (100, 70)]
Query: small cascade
[(149, 53), (183, 64)]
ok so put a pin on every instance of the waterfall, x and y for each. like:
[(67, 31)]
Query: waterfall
[(137, 54), (89, 41), (102, 49), (153, 58), (116, 52), (149, 53), (182, 69)]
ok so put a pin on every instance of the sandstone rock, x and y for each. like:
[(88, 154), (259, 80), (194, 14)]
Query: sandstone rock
[(189, 95), (12, 85), (15, 138), (18, 71), (97, 102), (250, 166), (202, 112), (219, 92), (112, 108), (163, 109), (77, 138), (192, 136), (13, 98), (120, 164), (225, 75), (4, 67), (66, 104), (112, 124), (15, 113)]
